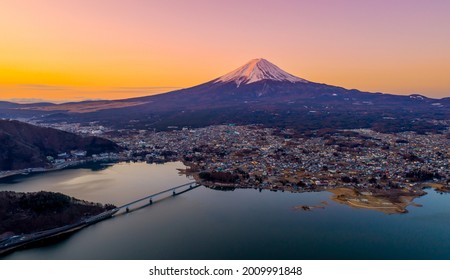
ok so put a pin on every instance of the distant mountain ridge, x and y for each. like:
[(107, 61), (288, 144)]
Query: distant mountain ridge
[(257, 92), (24, 145)]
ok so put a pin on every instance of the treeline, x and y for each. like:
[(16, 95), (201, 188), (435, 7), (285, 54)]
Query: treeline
[(422, 175), (302, 121), (32, 212), (217, 176)]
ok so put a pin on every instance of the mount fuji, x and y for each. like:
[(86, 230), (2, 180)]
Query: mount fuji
[(257, 92), (258, 70), (260, 84)]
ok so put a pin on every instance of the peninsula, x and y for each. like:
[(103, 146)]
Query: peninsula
[(30, 217)]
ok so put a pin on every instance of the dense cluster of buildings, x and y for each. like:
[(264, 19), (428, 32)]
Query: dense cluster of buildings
[(254, 156)]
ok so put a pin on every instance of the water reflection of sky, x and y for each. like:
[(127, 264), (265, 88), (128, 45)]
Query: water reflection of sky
[(117, 184), (239, 224)]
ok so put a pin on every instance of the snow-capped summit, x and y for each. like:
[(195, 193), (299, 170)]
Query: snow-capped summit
[(257, 70)]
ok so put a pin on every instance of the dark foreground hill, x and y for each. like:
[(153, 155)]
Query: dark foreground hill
[(22, 213), (26, 146)]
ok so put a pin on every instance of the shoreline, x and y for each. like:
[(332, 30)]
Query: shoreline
[(351, 193), (27, 171), (393, 201), (38, 170), (389, 201)]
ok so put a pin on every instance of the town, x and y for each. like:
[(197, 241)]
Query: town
[(392, 166), (362, 168), (267, 157)]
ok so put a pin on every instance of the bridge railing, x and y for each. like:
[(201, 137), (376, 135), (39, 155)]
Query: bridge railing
[(191, 185)]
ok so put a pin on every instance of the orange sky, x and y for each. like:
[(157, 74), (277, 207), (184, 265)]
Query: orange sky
[(108, 49)]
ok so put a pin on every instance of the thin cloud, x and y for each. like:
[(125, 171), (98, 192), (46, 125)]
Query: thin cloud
[(31, 100), (65, 94), (142, 89), (54, 101), (42, 87)]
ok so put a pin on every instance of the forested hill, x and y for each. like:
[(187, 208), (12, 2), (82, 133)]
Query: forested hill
[(24, 145)]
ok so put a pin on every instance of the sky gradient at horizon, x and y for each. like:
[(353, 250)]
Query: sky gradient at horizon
[(74, 50)]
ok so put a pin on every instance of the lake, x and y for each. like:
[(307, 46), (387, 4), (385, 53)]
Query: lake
[(240, 224)]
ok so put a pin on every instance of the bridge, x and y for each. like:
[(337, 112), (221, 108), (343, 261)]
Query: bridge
[(17, 241), (151, 198)]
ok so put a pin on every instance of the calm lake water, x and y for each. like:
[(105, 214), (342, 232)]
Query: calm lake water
[(240, 224)]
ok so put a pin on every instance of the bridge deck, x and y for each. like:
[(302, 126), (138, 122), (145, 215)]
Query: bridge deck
[(192, 185)]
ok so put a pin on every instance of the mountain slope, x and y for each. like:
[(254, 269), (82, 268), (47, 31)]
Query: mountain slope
[(258, 70), (25, 146), (260, 92), (260, 84)]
